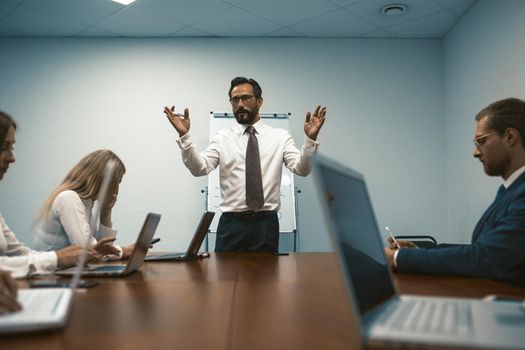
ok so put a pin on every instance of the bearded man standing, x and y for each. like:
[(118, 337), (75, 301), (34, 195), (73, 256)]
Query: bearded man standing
[(250, 156)]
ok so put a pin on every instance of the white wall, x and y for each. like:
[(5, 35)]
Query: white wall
[(483, 62), (71, 96)]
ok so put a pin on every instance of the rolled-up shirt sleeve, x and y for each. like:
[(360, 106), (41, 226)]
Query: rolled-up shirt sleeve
[(298, 161), (199, 163)]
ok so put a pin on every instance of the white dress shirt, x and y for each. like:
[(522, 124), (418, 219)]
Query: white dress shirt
[(19, 259), (71, 221), (514, 176), (227, 149)]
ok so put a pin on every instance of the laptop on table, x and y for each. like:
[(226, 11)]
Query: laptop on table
[(195, 244), (135, 261), (384, 316), (42, 309)]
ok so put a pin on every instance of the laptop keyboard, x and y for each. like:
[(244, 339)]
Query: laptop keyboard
[(430, 316), (40, 301)]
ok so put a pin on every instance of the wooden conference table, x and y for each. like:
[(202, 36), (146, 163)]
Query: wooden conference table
[(228, 301)]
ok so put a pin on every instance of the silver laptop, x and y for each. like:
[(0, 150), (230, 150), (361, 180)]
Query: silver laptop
[(385, 317), (42, 309), (135, 261), (195, 244)]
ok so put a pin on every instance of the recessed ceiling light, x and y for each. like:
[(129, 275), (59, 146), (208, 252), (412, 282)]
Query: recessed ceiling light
[(124, 2), (394, 10)]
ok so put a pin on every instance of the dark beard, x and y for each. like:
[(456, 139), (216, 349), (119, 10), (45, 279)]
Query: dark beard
[(247, 118)]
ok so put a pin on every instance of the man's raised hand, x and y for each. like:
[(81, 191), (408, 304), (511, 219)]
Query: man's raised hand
[(181, 122), (314, 122)]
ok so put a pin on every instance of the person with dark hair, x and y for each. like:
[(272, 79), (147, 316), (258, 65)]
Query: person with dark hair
[(15, 257), (250, 157), (497, 249), (6, 124)]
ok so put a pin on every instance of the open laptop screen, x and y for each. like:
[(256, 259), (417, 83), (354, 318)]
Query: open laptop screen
[(355, 232), (143, 241), (200, 233)]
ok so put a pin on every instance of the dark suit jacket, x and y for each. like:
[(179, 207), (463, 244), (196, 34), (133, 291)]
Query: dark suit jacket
[(497, 250)]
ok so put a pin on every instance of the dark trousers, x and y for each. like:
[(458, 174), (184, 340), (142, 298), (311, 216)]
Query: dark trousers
[(248, 232)]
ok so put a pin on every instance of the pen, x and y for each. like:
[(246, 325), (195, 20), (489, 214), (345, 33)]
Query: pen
[(392, 236)]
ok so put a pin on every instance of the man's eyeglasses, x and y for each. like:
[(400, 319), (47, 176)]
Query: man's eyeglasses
[(480, 140), (245, 98)]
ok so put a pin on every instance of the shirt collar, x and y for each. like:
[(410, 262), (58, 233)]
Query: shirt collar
[(259, 127), (514, 176)]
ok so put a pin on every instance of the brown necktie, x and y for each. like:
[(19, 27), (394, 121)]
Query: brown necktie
[(254, 189)]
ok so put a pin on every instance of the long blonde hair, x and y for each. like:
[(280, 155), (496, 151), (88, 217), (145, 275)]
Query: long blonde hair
[(85, 178)]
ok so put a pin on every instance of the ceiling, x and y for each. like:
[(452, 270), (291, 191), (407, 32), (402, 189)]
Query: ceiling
[(228, 18)]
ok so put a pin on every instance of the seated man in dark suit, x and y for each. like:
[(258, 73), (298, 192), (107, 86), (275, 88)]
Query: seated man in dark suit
[(497, 249)]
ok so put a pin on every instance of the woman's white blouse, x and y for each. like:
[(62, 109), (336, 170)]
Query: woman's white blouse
[(71, 221)]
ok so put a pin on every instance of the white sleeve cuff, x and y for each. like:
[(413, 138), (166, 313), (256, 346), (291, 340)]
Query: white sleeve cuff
[(310, 145), (104, 232), (42, 263), (185, 141), (395, 258)]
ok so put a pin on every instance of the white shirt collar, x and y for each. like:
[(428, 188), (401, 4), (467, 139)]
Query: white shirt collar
[(514, 176), (258, 126)]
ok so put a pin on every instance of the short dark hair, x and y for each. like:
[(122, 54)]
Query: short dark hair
[(257, 91), (6, 121), (503, 114)]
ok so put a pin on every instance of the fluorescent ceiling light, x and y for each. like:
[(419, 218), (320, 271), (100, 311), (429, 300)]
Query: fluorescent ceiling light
[(124, 2)]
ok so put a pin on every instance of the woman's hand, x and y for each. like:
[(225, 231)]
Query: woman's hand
[(70, 256), (127, 251), (106, 208), (105, 247)]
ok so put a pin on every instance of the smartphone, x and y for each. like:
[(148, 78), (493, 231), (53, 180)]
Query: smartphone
[(508, 298), (61, 284), (394, 240)]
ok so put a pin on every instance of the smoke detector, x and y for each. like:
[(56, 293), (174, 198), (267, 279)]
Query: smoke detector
[(394, 10)]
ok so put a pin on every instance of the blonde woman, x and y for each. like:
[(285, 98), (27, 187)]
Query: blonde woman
[(16, 258), (67, 216)]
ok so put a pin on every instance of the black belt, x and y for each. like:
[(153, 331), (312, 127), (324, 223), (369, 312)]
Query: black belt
[(249, 215)]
